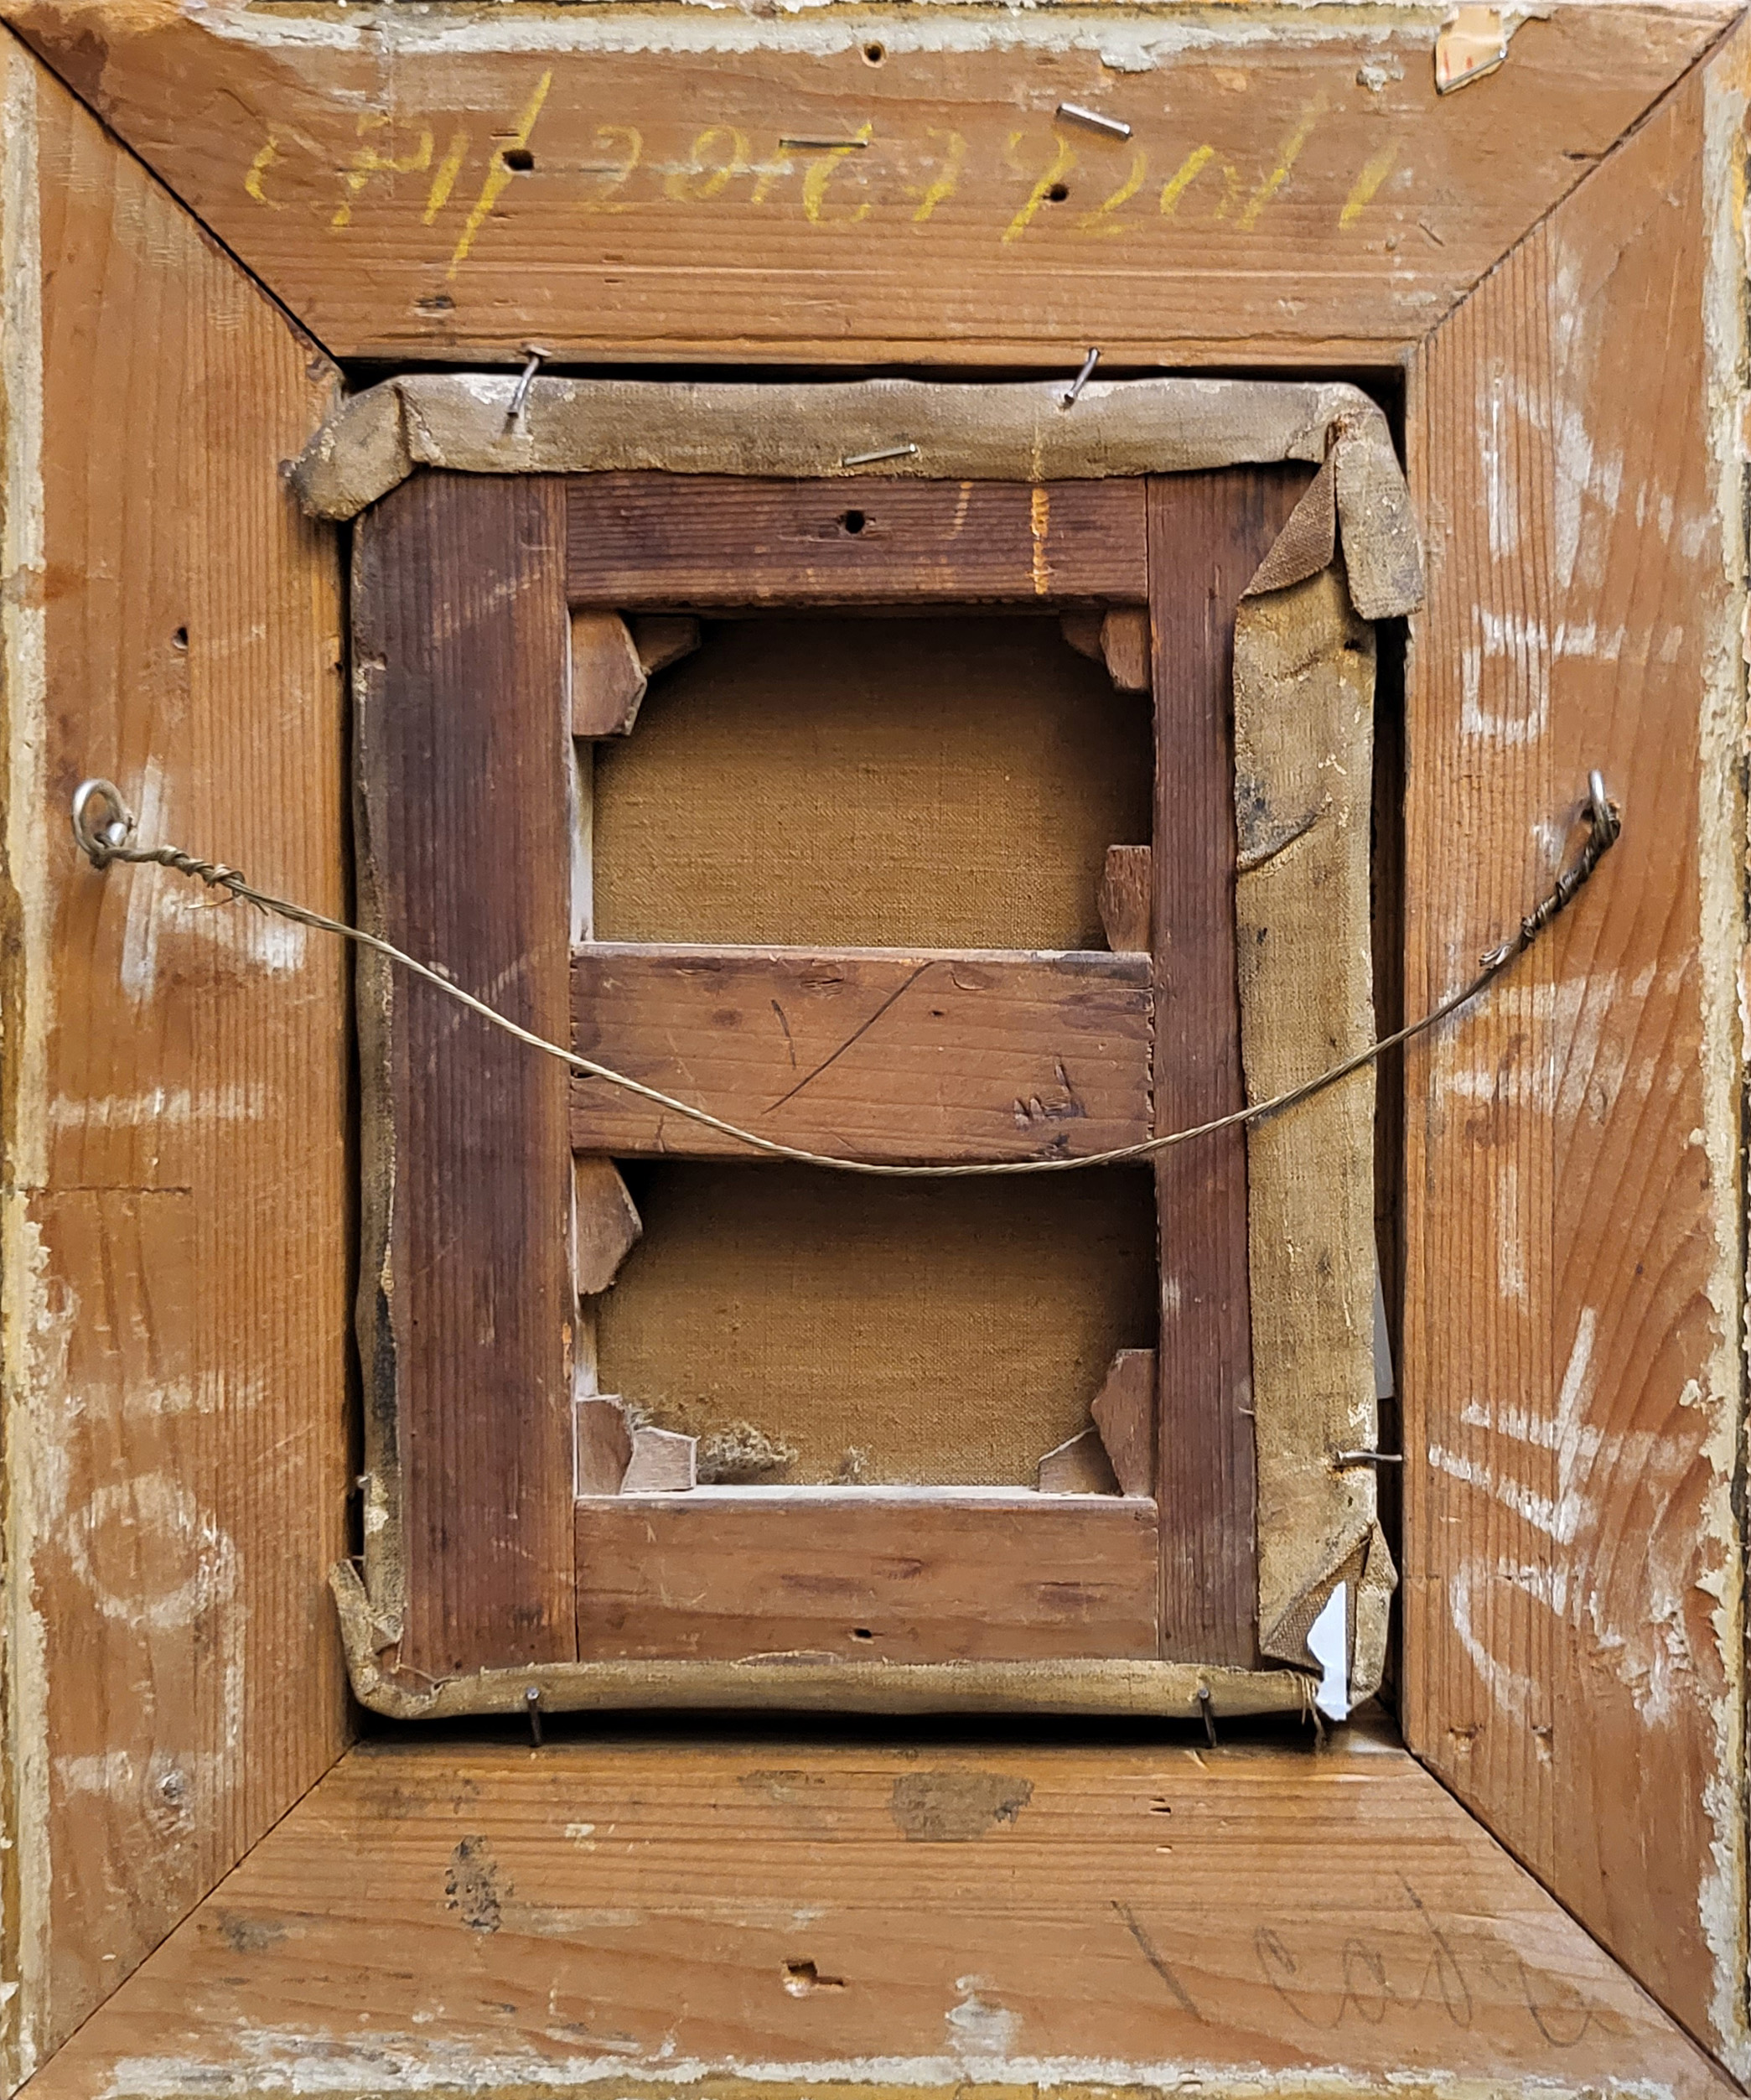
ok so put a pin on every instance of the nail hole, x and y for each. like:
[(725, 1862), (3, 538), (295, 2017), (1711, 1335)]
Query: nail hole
[(180, 638), (874, 52), (520, 158), (1057, 194), (862, 1633), (853, 520), (801, 1977)]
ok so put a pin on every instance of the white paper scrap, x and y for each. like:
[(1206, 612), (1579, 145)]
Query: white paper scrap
[(1328, 1642)]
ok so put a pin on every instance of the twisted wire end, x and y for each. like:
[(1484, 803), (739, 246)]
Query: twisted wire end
[(104, 838), (1605, 828)]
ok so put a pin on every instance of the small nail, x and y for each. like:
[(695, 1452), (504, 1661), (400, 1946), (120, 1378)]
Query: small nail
[(1073, 113), (1069, 398), (886, 452), (525, 380)]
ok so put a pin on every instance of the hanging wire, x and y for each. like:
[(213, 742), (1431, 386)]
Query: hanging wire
[(107, 838)]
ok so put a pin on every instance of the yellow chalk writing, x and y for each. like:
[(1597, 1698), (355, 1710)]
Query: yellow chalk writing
[(909, 181), (768, 174), (700, 179), (445, 181), (821, 172), (1286, 157), (942, 186), (500, 171), (1183, 177), (258, 168), (631, 143), (1064, 160), (368, 162), (1369, 180), (1100, 221)]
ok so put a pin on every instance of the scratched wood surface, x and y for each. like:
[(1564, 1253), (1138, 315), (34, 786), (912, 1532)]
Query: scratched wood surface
[(1219, 528), (788, 1918), (651, 539), (875, 1055), (1293, 187), (719, 1575), (1570, 1381), (462, 743), (176, 1274)]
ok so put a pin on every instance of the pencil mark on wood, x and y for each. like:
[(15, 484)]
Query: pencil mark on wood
[(856, 1036), (1151, 1954)]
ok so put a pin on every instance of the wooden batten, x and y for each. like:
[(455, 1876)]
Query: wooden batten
[(724, 1575), (1224, 524), (462, 744), (635, 540), (867, 1054)]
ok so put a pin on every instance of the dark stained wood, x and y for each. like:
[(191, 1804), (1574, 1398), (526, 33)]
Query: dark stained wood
[(871, 1054), (464, 751), (1124, 1412), (724, 1573), (1216, 527), (654, 539), (1128, 899)]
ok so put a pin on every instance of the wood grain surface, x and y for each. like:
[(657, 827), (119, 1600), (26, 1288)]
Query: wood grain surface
[(784, 1917), (1126, 899), (1293, 191), (869, 1053), (660, 539), (1124, 1412), (721, 1575), (1218, 527), (177, 1181), (1572, 1380), (608, 676), (463, 743)]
